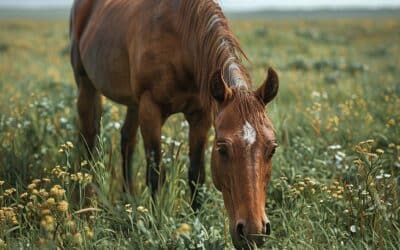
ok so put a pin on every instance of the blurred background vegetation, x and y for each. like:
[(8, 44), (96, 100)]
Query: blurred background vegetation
[(336, 176)]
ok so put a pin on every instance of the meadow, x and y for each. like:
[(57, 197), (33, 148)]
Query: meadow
[(336, 174)]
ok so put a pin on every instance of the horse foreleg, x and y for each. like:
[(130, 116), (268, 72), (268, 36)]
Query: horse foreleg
[(199, 125), (151, 120), (128, 143)]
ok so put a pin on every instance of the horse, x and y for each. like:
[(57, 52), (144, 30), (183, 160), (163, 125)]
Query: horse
[(161, 57)]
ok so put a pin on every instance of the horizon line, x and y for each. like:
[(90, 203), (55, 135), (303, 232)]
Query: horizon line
[(264, 8)]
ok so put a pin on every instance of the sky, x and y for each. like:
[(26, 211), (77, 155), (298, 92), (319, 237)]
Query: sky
[(237, 4)]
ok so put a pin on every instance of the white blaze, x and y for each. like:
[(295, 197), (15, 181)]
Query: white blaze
[(249, 133)]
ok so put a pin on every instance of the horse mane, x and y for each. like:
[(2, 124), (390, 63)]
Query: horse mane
[(206, 33)]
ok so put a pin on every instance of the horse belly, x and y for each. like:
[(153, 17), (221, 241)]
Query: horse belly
[(112, 79), (106, 62)]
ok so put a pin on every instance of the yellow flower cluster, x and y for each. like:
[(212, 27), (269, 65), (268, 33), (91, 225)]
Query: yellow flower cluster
[(8, 216), (365, 148), (66, 147), (83, 178), (335, 190), (305, 185)]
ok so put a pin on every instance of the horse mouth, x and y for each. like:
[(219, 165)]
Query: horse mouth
[(252, 241)]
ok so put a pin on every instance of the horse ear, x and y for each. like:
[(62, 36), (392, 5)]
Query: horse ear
[(219, 89), (269, 89)]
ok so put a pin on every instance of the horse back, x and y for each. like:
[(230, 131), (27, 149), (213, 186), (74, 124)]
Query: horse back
[(128, 47)]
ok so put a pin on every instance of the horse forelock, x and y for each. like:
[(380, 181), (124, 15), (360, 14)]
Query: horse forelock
[(249, 108), (206, 32)]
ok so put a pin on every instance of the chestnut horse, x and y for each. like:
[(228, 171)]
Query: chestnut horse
[(161, 57)]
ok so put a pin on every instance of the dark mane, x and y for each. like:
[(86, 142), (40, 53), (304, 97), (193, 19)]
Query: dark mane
[(207, 35)]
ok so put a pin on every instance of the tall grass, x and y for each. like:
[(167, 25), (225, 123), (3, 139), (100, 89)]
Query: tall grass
[(336, 176)]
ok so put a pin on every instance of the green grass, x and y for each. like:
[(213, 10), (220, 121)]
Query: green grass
[(336, 176)]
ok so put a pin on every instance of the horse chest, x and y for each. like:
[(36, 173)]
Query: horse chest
[(177, 101)]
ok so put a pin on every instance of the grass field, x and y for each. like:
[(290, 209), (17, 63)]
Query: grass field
[(336, 175)]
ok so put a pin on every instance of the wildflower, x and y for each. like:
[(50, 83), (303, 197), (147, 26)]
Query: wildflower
[(184, 229), (43, 192), (3, 244), (335, 147), (88, 178), (23, 195), (48, 223), (283, 178), (88, 232), (9, 191), (128, 208), (45, 212), (2, 183), (84, 163), (50, 202), (57, 191), (380, 151), (46, 180), (62, 206), (69, 144), (391, 122), (141, 209), (78, 238), (353, 228), (36, 181)]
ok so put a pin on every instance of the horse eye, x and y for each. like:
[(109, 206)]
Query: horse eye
[(272, 152), (222, 150)]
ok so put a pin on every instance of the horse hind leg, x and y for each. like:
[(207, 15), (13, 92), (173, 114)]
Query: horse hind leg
[(88, 103), (128, 143)]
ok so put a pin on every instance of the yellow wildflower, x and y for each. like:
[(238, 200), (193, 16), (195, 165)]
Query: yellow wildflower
[(50, 202), (184, 229), (69, 144), (78, 238), (47, 222), (142, 209), (62, 206)]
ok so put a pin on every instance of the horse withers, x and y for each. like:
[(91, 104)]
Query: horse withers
[(161, 57)]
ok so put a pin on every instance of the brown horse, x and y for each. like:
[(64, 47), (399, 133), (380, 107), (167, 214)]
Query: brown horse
[(161, 57)]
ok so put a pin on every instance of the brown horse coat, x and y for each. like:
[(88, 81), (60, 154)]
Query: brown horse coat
[(160, 57)]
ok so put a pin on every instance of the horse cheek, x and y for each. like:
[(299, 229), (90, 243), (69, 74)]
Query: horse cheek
[(215, 171)]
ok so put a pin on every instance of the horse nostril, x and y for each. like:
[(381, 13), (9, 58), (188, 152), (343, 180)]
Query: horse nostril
[(267, 228), (240, 230)]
